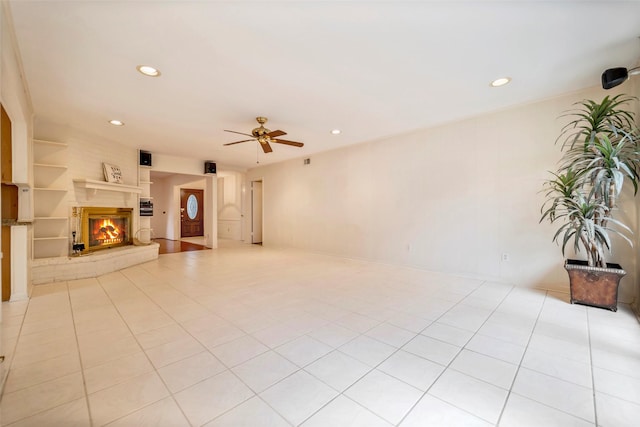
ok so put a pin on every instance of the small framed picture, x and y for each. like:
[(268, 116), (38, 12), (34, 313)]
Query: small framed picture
[(112, 173)]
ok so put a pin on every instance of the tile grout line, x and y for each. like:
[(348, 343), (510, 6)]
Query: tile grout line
[(543, 373), (57, 378), (361, 334), (13, 354), (142, 350), (15, 347), (206, 349), (593, 379), (397, 349), (395, 352), (172, 286), (339, 393), (448, 366), (75, 332), (526, 347)]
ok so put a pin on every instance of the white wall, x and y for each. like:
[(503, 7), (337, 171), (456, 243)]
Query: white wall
[(14, 96), (186, 173), (452, 198), (85, 155), (177, 165), (230, 204), (159, 220)]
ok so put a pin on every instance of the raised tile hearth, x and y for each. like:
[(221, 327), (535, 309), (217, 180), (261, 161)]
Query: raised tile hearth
[(93, 265)]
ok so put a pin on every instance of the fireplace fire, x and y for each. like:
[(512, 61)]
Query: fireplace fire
[(104, 228), (106, 231)]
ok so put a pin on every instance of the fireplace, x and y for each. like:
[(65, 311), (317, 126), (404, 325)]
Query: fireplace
[(104, 228)]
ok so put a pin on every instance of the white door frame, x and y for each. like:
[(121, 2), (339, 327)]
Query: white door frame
[(257, 205)]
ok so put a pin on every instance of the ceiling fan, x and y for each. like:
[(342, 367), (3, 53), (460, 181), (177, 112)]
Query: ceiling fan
[(264, 136)]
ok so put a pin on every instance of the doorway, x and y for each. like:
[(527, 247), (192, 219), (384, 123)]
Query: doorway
[(256, 212), (191, 215), (9, 201)]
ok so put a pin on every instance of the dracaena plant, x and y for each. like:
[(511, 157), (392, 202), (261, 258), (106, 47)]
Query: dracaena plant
[(601, 151)]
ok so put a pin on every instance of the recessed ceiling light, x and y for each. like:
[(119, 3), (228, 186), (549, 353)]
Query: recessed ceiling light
[(336, 132), (116, 122), (500, 82), (148, 70)]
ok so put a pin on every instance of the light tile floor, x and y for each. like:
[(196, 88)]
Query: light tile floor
[(251, 336)]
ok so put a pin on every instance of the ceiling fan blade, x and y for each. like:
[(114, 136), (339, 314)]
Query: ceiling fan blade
[(276, 133), (266, 147), (241, 133), (238, 142), (284, 141)]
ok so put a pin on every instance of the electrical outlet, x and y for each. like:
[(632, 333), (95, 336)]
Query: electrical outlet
[(505, 257)]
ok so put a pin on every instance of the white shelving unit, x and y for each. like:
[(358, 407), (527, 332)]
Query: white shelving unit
[(144, 232), (51, 183)]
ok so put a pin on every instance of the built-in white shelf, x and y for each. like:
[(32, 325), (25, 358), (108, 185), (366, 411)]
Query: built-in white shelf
[(36, 239), (63, 190), (92, 184), (50, 143), (50, 218), (144, 232), (46, 165), (50, 188)]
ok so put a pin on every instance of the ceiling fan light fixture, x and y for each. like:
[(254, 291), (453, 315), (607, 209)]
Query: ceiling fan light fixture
[(264, 136), (116, 122), (148, 70), (500, 82)]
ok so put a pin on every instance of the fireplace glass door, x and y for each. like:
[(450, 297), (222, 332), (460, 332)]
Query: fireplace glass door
[(104, 228)]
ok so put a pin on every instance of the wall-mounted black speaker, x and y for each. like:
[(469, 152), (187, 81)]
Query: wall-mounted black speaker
[(145, 158), (613, 77), (209, 167)]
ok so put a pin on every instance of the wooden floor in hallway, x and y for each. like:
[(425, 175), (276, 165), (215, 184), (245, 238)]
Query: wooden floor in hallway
[(174, 246)]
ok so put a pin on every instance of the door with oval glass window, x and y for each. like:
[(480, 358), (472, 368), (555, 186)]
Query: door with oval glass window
[(191, 215)]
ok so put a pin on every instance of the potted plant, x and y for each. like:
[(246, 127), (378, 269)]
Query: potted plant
[(601, 151)]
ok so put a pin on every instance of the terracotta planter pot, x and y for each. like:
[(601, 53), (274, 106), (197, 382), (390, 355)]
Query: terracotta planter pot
[(594, 286)]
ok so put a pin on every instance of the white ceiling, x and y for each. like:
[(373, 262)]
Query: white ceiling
[(371, 69)]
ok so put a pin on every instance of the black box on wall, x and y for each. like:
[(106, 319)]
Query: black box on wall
[(145, 158), (209, 167), (146, 208)]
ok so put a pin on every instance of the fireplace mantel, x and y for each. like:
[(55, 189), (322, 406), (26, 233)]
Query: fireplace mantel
[(92, 186)]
